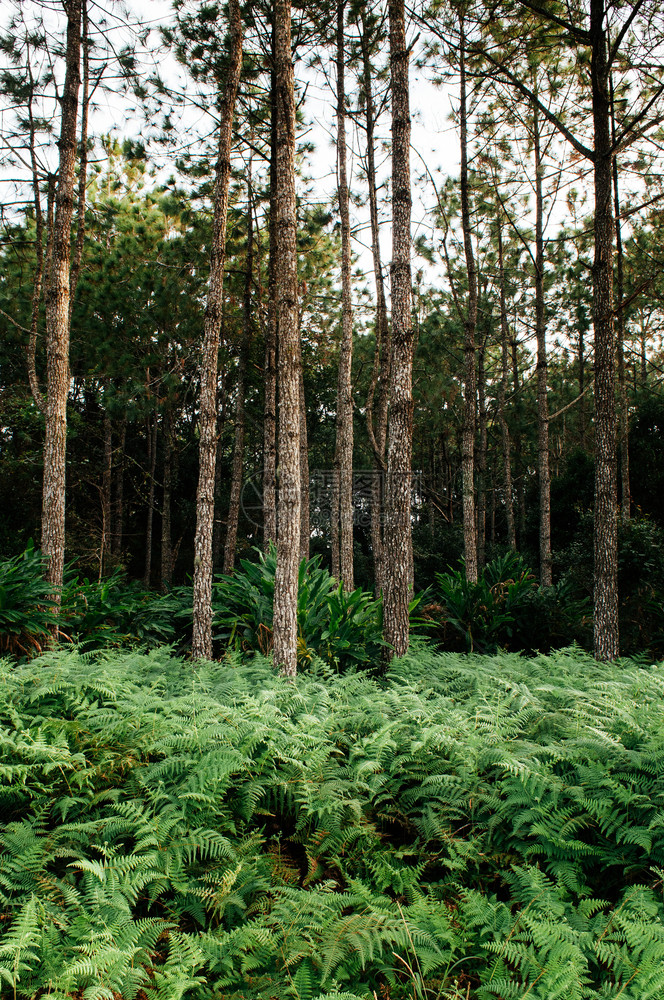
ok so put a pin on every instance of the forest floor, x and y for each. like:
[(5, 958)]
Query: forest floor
[(463, 826)]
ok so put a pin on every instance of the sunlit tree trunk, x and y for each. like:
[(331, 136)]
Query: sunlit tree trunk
[(202, 607), (289, 497), (400, 442), (57, 316)]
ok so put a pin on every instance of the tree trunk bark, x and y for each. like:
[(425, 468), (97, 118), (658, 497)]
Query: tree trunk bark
[(623, 420), (57, 318), (37, 394), (470, 394), (270, 371), (502, 392), (380, 376), (606, 525), (82, 164), (305, 525), (520, 492), (238, 450), (166, 540), (400, 445), (542, 370), (222, 405), (118, 534), (201, 647), (582, 388), (152, 459), (481, 458), (106, 497), (288, 515), (344, 386)]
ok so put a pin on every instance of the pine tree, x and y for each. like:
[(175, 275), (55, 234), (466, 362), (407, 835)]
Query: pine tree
[(202, 607), (398, 539), (289, 495)]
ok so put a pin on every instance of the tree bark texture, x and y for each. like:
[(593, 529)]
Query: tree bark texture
[(152, 461), (481, 457), (202, 598), (270, 371), (118, 521), (376, 408), (289, 495), (305, 523), (542, 369), (35, 389), (606, 524), (400, 441), (82, 164), (166, 539), (520, 492), (623, 414), (470, 387), (238, 447), (344, 386), (106, 497), (222, 405), (57, 317), (502, 392)]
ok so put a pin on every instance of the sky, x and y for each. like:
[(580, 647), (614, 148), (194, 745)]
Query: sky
[(434, 139)]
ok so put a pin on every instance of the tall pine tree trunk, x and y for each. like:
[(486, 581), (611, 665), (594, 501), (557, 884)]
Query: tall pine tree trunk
[(270, 370), (288, 513), (238, 449), (118, 522), (152, 462), (376, 409), (305, 524), (542, 369), (470, 388), (222, 406), (481, 457), (623, 419), (502, 392), (520, 491), (202, 607), (344, 449), (166, 539), (37, 395), (57, 317), (106, 496), (606, 523), (400, 444)]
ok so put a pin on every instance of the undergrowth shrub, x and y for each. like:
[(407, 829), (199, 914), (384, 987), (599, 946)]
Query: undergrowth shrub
[(507, 609), (468, 827), (26, 608), (343, 629)]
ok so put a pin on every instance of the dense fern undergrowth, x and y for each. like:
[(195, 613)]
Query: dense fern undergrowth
[(464, 827)]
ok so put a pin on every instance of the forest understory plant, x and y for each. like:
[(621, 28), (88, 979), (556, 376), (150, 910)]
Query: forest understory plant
[(478, 827)]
